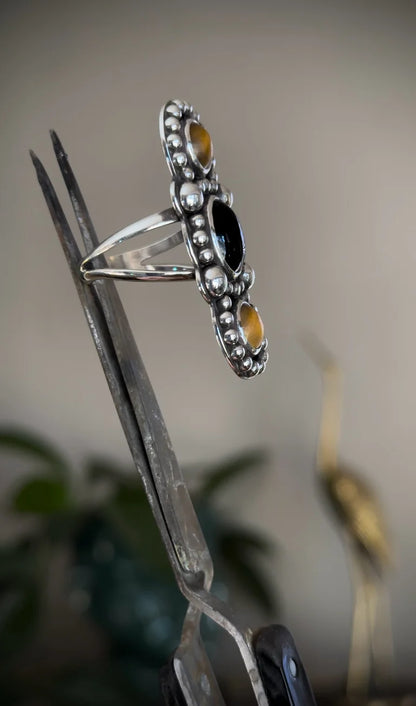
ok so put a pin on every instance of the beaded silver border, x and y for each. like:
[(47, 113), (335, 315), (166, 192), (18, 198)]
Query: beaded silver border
[(193, 191)]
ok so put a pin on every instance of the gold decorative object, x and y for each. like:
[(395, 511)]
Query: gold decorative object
[(366, 539)]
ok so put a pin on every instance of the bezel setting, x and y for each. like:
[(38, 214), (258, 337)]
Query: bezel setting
[(233, 273), (194, 190), (190, 147)]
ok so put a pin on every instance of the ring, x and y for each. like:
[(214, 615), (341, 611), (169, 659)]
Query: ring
[(212, 235)]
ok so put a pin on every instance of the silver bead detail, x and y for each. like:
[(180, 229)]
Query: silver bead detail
[(179, 103), (231, 336), (172, 124), (174, 141), (265, 358), (225, 303), (198, 221), (248, 276), (191, 196), (230, 288), (204, 185), (200, 238), (261, 368), (216, 282), (180, 159), (238, 353), (226, 196), (226, 318), (188, 173), (206, 256), (254, 368), (174, 109), (265, 344), (246, 364)]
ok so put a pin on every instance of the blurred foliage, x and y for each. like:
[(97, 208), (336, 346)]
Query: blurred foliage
[(118, 576)]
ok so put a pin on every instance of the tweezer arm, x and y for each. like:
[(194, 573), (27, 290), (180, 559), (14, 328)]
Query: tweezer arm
[(132, 393)]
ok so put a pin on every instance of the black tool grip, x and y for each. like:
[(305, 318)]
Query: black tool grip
[(282, 672), (171, 690)]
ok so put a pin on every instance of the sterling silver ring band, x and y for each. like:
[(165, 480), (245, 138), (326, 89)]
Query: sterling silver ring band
[(130, 265)]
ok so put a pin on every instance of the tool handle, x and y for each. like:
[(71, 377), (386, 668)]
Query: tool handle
[(283, 675), (171, 689), (282, 672)]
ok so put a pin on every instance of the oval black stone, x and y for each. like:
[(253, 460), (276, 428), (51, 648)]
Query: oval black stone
[(228, 233)]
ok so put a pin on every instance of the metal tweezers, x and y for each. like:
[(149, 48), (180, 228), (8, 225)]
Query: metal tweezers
[(273, 665)]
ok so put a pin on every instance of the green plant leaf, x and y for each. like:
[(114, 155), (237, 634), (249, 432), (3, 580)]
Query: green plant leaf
[(101, 685), (131, 515), (101, 469), (248, 575), (19, 611), (221, 474), (62, 526), (20, 565), (247, 541), (255, 583), (19, 560), (41, 495), (29, 444), (238, 549)]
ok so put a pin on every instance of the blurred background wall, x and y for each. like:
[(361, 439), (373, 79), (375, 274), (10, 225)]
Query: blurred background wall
[(312, 109)]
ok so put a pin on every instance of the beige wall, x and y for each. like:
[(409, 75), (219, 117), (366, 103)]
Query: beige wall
[(313, 111)]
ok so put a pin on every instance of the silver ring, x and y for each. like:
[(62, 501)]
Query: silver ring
[(212, 235)]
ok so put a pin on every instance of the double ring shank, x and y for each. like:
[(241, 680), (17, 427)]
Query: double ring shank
[(130, 265)]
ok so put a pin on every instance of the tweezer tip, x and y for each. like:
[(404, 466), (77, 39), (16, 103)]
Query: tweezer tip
[(57, 144), (40, 170)]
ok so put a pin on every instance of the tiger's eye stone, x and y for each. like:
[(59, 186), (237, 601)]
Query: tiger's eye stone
[(201, 144), (228, 234), (251, 324)]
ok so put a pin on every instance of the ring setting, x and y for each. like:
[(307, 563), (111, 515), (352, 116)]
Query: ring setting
[(212, 235)]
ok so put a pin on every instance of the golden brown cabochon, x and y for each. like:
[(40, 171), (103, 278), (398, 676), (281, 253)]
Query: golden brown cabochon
[(251, 324), (201, 143)]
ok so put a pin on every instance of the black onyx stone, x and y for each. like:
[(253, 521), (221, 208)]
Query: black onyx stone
[(228, 233)]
